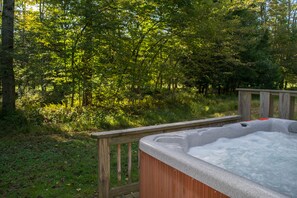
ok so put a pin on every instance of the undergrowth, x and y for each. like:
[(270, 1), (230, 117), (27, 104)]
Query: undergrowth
[(35, 118)]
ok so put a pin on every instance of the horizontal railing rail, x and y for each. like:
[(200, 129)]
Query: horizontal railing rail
[(128, 136), (271, 91)]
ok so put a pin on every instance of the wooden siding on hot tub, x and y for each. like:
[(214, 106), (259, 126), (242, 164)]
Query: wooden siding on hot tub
[(157, 179)]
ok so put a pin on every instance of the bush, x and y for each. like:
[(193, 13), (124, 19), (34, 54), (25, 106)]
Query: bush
[(12, 123)]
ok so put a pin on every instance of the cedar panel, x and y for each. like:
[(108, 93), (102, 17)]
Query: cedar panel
[(157, 179)]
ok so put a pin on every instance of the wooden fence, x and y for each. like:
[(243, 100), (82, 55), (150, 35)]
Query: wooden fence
[(286, 103), (128, 136)]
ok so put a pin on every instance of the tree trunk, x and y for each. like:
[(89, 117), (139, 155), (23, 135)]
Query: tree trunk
[(7, 74), (87, 70)]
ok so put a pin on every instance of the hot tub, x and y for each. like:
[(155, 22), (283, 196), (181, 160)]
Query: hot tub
[(168, 169)]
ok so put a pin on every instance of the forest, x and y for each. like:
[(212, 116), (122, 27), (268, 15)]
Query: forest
[(72, 67), (114, 55)]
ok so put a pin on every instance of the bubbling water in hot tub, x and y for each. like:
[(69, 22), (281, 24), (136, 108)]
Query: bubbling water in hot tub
[(267, 158)]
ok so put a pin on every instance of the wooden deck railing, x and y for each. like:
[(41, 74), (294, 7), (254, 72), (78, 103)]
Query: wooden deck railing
[(127, 136), (286, 103)]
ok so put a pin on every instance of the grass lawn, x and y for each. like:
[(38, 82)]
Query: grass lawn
[(63, 164), (57, 165)]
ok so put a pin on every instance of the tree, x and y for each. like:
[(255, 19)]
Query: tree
[(108, 53), (282, 22), (7, 73)]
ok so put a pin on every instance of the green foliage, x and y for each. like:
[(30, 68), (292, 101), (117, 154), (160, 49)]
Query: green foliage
[(156, 109), (12, 123), (113, 51)]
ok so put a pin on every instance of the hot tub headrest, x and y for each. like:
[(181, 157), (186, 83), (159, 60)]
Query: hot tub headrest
[(293, 127)]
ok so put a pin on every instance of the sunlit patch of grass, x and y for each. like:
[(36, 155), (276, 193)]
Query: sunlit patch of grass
[(56, 118)]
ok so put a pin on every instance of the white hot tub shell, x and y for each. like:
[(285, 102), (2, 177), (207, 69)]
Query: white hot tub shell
[(171, 149)]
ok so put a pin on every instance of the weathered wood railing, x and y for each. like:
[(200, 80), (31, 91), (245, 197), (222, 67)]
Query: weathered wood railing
[(286, 102), (127, 136)]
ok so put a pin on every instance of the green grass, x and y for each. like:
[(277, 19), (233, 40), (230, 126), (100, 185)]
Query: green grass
[(43, 155), (61, 165)]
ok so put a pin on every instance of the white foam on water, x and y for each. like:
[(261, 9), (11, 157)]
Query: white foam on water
[(267, 158)]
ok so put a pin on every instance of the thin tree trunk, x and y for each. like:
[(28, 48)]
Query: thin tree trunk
[(87, 73), (7, 74)]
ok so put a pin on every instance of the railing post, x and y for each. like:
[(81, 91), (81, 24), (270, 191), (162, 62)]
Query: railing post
[(286, 105), (244, 105), (103, 167), (119, 164), (292, 107), (129, 162), (266, 105)]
